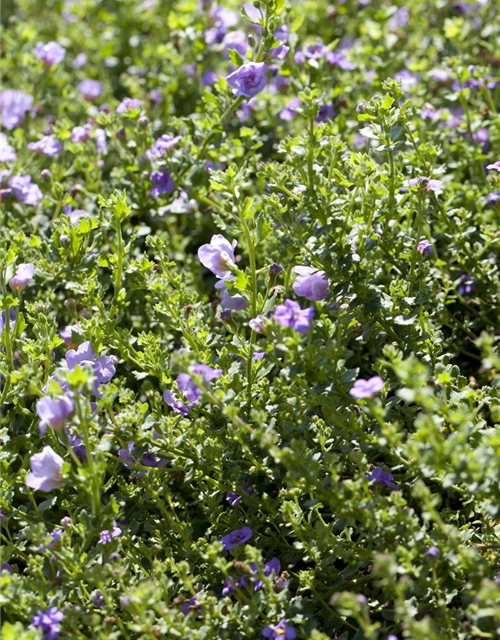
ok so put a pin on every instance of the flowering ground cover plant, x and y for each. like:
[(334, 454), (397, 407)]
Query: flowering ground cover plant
[(249, 324)]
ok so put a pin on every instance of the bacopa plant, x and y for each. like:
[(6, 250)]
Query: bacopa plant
[(249, 328)]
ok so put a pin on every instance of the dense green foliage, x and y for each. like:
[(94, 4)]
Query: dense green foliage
[(379, 179)]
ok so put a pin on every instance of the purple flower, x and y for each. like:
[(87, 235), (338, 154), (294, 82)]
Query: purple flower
[(47, 146), (249, 79), (129, 104), (14, 105), (48, 622), (162, 183), (191, 390), (236, 40), (424, 247), (101, 144), (299, 57), (53, 412), (315, 51), (50, 53), (282, 631), (425, 183), (291, 315), (366, 388), (53, 538), (24, 190), (400, 19), (310, 284), (192, 605), (46, 468), (90, 89), (379, 476), (107, 536), (493, 198), (337, 60), (162, 145), (282, 33), (24, 273), (218, 256), (81, 134), (259, 324), (7, 152), (494, 167), (433, 553), (209, 78), (325, 112), (289, 112), (104, 367), (466, 284), (83, 355), (227, 301), (75, 215), (235, 498), (279, 52), (236, 538), (273, 566), (80, 61)]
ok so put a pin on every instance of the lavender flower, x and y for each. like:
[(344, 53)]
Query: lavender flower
[(227, 301), (47, 146), (425, 183), (7, 152), (493, 198), (24, 273), (363, 389), (379, 476), (104, 368), (494, 167), (290, 110), (433, 553), (162, 183), (24, 190), (81, 134), (50, 53), (107, 536), (80, 60), (53, 538), (218, 256), (192, 605), (53, 412), (249, 79), (162, 145), (315, 51), (424, 247), (291, 315), (14, 105), (310, 284), (101, 144), (129, 104), (337, 60), (236, 538), (282, 631), (68, 334), (48, 622), (191, 390), (279, 52), (236, 40), (259, 324), (466, 284), (282, 33), (90, 89), (235, 498), (46, 470)]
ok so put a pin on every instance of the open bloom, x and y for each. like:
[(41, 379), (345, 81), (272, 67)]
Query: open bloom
[(249, 79), (161, 183), (425, 183), (90, 89), (104, 366), (291, 315), (162, 145), (81, 134), (53, 412), (24, 190), (24, 273), (218, 256), (310, 283), (107, 536), (367, 388), (48, 622), (259, 324), (50, 53), (7, 151), (379, 476), (191, 390), (46, 470), (282, 631), (14, 105), (236, 538), (47, 146), (424, 247), (495, 166)]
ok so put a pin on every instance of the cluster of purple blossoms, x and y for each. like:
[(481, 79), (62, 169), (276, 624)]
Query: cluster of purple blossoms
[(366, 389), (49, 622), (236, 538), (129, 104), (23, 190), (46, 470), (281, 631), (107, 536), (24, 273), (90, 89), (190, 389), (249, 79), (291, 315), (161, 182), (14, 105), (47, 146), (379, 476), (310, 284), (50, 53)]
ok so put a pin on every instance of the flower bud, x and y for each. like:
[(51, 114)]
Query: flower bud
[(45, 174)]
